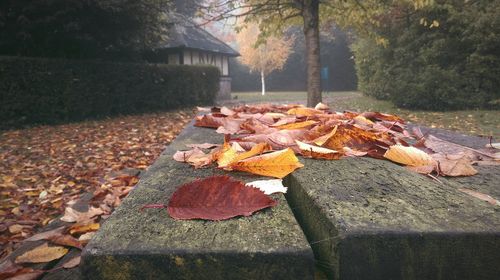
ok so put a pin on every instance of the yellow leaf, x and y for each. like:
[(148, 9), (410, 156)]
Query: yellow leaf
[(297, 125), (317, 152), (226, 156), (408, 156), (276, 164), (304, 111), (42, 253)]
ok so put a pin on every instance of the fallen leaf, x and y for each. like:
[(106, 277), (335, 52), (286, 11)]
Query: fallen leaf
[(320, 141), (408, 156), (316, 152), (321, 106), (66, 240), (268, 186), (15, 228), (256, 150), (209, 121), (71, 215), (83, 228), (304, 111), (216, 198), (47, 234), (454, 165), (493, 145), (276, 164), (27, 274), (297, 125), (195, 157), (41, 254), (74, 262), (481, 196)]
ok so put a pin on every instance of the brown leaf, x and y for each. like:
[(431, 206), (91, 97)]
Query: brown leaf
[(276, 164), (71, 215), (47, 234), (216, 198), (454, 165), (481, 196), (66, 240), (74, 262), (41, 254)]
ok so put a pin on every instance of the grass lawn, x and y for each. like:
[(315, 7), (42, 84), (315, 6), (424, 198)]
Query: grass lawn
[(475, 122)]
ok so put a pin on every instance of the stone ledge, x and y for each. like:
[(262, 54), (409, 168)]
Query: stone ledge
[(372, 219), (150, 245)]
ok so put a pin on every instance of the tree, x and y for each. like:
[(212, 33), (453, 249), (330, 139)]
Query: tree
[(108, 29), (263, 58), (274, 16)]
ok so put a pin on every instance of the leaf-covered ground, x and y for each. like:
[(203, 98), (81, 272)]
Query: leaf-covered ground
[(43, 168), (472, 122)]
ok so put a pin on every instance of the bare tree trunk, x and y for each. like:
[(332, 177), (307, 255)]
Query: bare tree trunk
[(263, 82), (310, 14)]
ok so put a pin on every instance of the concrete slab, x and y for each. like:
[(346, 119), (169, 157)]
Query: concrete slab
[(150, 245), (373, 219)]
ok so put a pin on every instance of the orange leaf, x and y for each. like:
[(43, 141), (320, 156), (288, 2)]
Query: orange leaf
[(297, 125), (408, 156), (256, 150), (41, 254), (303, 111), (317, 152), (320, 141), (276, 164), (77, 229)]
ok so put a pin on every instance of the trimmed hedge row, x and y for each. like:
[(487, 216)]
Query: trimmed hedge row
[(37, 90)]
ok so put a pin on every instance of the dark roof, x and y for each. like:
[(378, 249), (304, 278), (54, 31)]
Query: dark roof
[(183, 33)]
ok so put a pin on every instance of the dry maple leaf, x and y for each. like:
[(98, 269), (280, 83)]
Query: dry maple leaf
[(408, 156), (42, 253), (276, 164), (215, 198), (317, 152)]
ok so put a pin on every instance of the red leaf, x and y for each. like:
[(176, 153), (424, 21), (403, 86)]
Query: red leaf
[(216, 198)]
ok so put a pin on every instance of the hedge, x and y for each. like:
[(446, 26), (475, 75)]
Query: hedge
[(451, 67), (46, 91)]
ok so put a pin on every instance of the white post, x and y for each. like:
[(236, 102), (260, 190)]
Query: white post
[(263, 82)]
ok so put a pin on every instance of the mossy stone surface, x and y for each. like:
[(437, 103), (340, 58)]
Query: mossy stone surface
[(135, 244), (373, 219)]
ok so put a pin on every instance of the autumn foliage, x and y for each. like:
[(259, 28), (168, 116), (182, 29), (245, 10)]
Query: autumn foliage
[(265, 140)]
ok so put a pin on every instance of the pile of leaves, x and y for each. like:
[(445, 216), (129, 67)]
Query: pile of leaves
[(265, 139), (45, 170)]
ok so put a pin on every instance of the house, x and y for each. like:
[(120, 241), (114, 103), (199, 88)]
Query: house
[(189, 44)]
